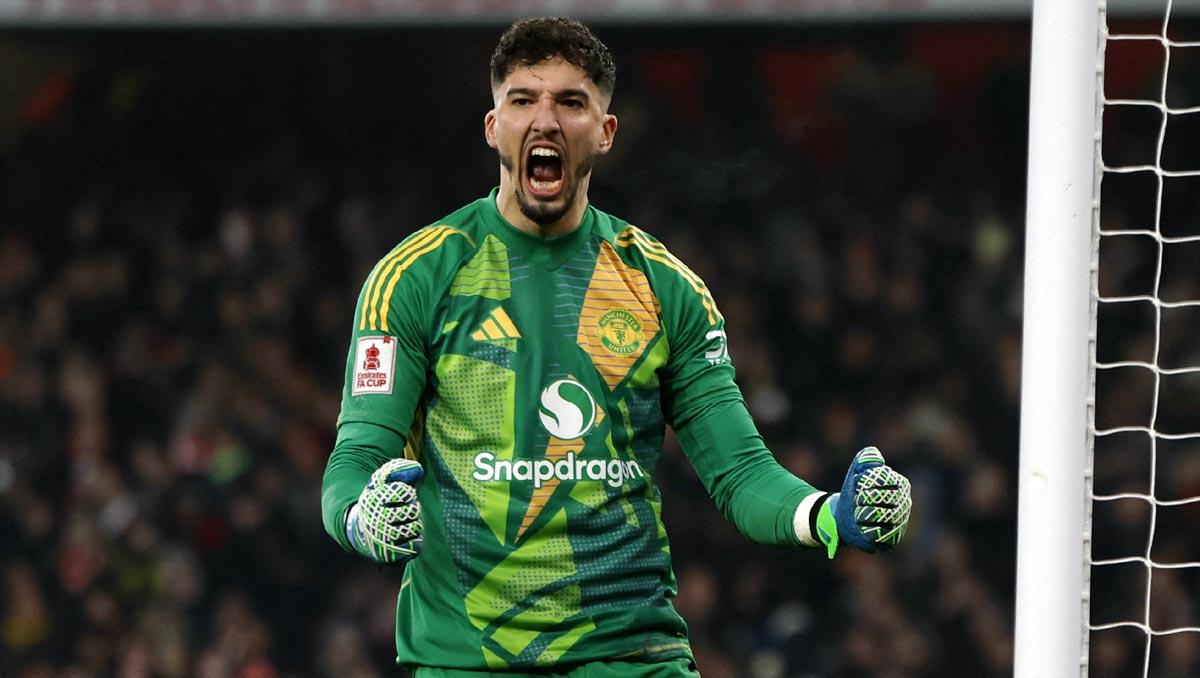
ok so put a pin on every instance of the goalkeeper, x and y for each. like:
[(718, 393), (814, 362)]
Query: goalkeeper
[(509, 379)]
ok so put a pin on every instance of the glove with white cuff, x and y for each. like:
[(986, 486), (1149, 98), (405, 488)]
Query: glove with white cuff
[(385, 524), (870, 512)]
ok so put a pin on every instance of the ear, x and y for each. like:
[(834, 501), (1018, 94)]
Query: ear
[(608, 131), (489, 128)]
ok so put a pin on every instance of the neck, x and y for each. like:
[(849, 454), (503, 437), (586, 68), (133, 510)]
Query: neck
[(510, 209)]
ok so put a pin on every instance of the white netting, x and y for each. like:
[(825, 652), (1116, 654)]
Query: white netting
[(1142, 612)]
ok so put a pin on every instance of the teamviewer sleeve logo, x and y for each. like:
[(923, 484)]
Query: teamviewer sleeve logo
[(374, 365), (718, 351)]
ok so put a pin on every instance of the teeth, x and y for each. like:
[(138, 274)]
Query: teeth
[(547, 152), (543, 186)]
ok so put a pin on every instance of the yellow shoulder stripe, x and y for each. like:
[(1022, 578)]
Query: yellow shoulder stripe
[(382, 282), (634, 234), (657, 252), (385, 265)]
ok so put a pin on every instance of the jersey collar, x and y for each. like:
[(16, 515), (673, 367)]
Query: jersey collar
[(549, 253)]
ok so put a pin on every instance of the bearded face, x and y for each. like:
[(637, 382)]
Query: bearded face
[(548, 128)]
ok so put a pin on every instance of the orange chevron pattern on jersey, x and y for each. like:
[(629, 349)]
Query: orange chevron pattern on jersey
[(556, 450), (619, 316)]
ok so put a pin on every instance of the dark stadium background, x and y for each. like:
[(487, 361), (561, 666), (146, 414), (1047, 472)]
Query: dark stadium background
[(186, 218)]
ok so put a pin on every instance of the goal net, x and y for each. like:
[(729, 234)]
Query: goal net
[(1142, 487)]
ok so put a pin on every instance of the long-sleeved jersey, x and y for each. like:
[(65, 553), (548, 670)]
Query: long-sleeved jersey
[(533, 379)]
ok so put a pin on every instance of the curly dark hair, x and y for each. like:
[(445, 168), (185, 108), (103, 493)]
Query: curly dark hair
[(531, 41)]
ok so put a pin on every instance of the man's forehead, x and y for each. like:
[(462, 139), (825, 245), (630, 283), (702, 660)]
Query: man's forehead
[(553, 74)]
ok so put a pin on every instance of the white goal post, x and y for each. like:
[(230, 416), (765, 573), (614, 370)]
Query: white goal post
[(1049, 636)]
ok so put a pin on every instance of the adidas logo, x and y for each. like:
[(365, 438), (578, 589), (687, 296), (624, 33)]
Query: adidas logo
[(497, 326)]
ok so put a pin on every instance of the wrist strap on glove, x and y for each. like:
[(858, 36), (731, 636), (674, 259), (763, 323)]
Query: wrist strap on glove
[(822, 523)]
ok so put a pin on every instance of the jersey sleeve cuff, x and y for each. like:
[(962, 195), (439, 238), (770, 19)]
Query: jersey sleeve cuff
[(349, 522), (806, 518)]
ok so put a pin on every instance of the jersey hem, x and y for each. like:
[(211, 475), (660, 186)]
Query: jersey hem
[(649, 655)]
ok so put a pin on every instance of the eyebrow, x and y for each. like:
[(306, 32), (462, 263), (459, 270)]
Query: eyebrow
[(561, 94)]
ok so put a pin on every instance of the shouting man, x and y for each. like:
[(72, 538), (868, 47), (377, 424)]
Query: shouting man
[(511, 373)]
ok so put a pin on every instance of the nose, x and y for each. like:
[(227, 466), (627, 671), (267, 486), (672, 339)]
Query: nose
[(545, 117)]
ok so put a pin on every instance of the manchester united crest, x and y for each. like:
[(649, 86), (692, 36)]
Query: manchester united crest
[(620, 331)]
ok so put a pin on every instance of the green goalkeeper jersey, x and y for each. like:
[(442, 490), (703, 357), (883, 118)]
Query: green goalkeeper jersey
[(533, 379)]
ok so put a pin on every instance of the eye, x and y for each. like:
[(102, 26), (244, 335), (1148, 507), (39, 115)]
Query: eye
[(522, 101), (573, 103)]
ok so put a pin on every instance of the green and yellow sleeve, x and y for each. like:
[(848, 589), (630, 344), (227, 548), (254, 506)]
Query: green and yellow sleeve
[(386, 370)]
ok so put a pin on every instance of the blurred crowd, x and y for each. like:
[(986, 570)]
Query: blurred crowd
[(187, 220)]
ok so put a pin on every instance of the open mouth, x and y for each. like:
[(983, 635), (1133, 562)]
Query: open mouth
[(544, 172)]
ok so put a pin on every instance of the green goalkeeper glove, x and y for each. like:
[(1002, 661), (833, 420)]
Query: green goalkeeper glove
[(385, 525), (871, 512)]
